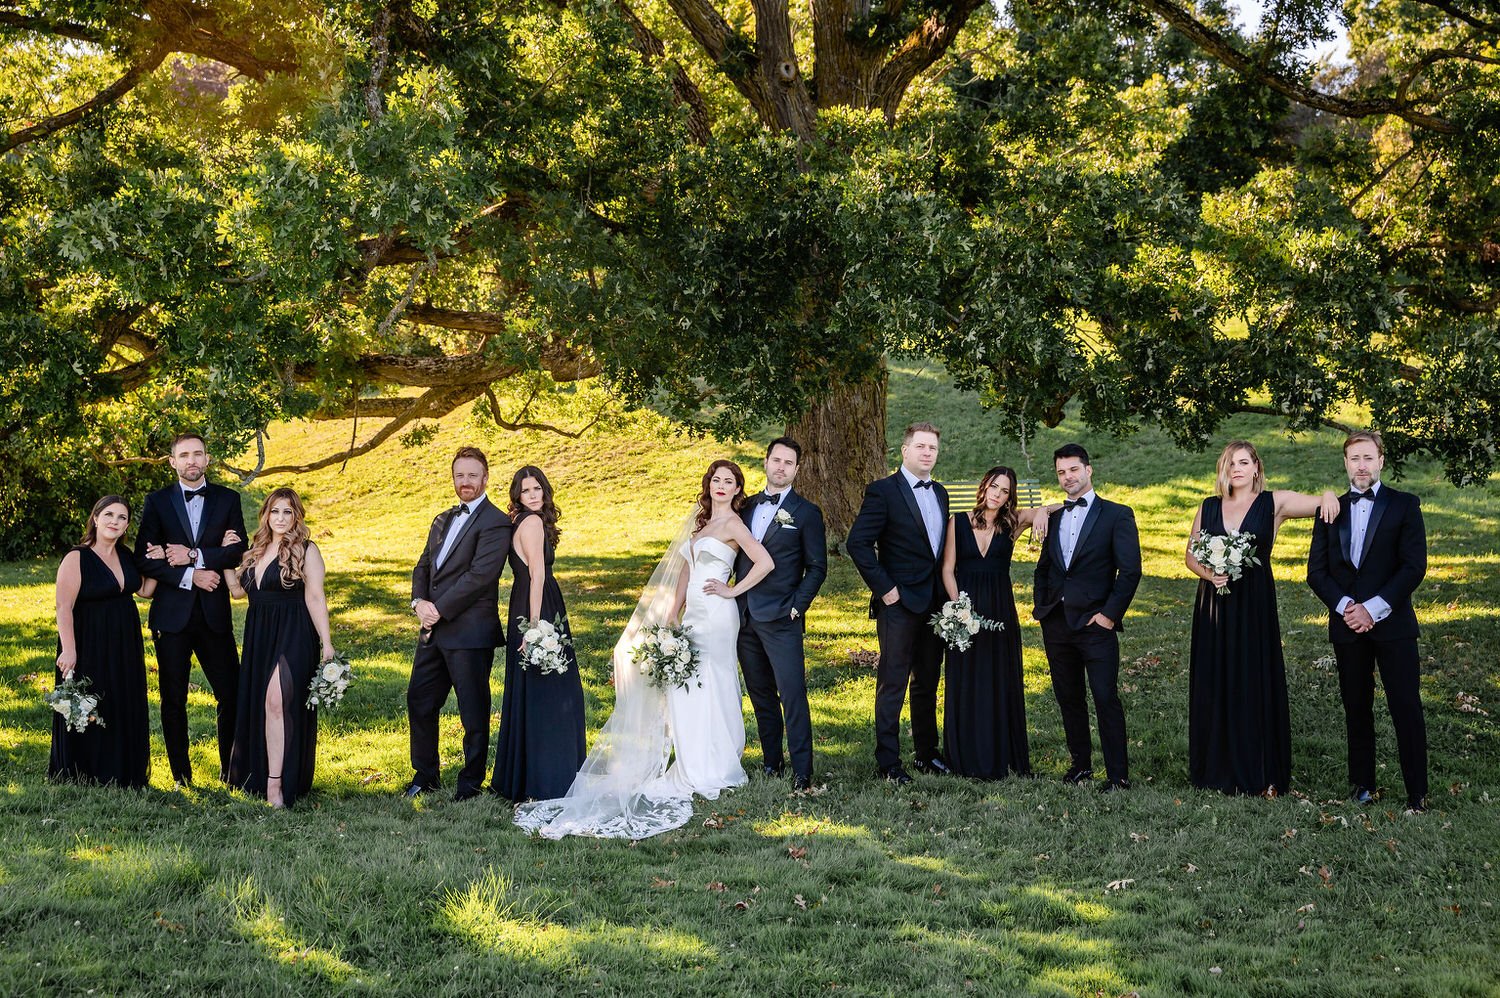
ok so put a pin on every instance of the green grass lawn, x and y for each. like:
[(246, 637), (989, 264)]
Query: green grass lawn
[(947, 886)]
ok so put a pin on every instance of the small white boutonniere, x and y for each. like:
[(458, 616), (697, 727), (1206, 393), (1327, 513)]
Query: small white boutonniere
[(784, 518)]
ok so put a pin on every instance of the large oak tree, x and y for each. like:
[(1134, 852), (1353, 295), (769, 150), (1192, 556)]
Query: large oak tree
[(226, 213)]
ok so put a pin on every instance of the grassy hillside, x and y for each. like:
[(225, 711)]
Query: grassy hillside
[(945, 886)]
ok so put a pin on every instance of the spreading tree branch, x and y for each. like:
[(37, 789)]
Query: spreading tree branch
[(921, 48), (1221, 48), (143, 66)]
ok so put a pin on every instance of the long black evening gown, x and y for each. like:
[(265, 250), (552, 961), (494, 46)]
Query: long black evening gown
[(107, 638), (984, 707), (1239, 729), (278, 630), (542, 740)]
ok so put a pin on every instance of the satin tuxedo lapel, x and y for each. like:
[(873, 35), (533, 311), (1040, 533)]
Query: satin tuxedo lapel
[(1346, 517), (773, 526), (911, 501), (1382, 502), (182, 514), (1095, 509), (438, 571), (1054, 536)]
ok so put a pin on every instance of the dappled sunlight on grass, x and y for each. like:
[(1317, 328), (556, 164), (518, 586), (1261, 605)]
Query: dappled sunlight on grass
[(793, 823), (108, 868), (491, 914), (259, 920)]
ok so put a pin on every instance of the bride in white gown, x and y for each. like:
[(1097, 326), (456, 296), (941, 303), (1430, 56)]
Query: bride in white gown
[(626, 788)]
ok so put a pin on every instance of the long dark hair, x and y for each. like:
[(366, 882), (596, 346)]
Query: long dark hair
[(549, 512), (291, 555), (980, 514), (91, 532), (706, 501)]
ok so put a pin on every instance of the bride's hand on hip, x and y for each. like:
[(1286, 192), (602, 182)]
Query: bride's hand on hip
[(716, 588)]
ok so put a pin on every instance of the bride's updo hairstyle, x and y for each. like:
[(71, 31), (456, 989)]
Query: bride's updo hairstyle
[(706, 500)]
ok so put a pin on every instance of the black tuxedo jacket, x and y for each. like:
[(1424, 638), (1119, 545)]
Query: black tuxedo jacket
[(888, 544), (1393, 563), (800, 549), (164, 520), (1106, 566), (466, 589)]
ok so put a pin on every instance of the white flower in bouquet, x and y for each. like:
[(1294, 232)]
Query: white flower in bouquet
[(667, 658), (957, 623), (545, 644), (1228, 555), (78, 708), (330, 683)]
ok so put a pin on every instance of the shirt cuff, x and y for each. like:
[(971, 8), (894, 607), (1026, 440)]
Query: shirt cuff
[(1379, 608), (200, 562), (187, 580), (1343, 605)]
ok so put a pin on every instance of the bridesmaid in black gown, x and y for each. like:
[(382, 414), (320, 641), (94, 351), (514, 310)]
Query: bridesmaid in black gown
[(286, 627), (984, 703), (542, 740), (1239, 729), (99, 638)]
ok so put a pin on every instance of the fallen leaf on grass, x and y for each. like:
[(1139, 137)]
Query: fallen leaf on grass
[(1139, 837), (799, 901), (717, 886), (1325, 875), (713, 821), (1307, 908), (1456, 909), (1119, 885), (797, 852), (371, 779), (169, 925), (742, 905), (1190, 868), (661, 882)]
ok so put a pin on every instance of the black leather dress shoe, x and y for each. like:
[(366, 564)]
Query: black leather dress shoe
[(415, 790), (1363, 795), (934, 766), (801, 782), (1110, 786), (896, 775), (1078, 775), (1418, 806), (466, 793), (771, 772)]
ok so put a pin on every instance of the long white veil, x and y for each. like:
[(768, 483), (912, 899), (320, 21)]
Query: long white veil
[(610, 797)]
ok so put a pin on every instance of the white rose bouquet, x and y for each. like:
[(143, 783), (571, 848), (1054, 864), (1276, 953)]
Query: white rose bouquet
[(1224, 554), (79, 708), (666, 657), (957, 623), (545, 644), (329, 683)]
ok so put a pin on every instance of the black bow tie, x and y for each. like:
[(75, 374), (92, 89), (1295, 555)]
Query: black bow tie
[(462, 510), (922, 485), (1081, 503), (1355, 497), (188, 495), (773, 500)]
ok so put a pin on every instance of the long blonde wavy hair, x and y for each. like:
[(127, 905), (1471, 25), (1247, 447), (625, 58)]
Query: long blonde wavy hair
[(293, 554), (1222, 487)]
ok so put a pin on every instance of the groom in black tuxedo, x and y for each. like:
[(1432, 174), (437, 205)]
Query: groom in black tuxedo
[(1086, 576), (773, 615), (455, 593), (201, 530), (1365, 567), (896, 542)]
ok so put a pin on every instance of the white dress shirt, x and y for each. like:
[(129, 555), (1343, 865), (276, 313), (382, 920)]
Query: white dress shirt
[(1359, 525), (765, 512), (1072, 523), (927, 503), (457, 526), (195, 517)]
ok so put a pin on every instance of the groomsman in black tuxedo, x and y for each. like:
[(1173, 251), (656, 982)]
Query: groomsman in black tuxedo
[(1365, 567), (896, 542), (773, 615), (455, 593), (201, 530), (1086, 576)]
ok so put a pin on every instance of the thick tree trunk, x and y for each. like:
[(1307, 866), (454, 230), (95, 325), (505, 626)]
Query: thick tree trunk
[(843, 449)]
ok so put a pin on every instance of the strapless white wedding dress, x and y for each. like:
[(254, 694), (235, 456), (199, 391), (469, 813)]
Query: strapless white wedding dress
[(626, 789)]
